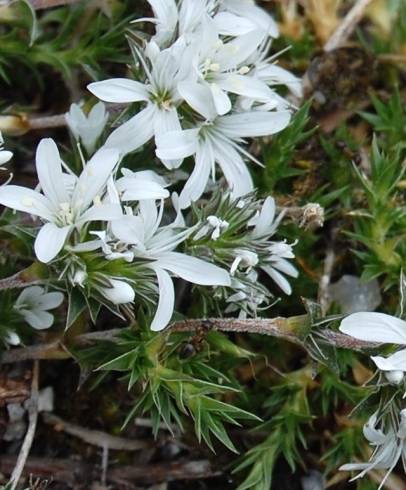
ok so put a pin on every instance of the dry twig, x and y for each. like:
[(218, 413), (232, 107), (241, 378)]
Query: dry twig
[(95, 437), (347, 26), (32, 425), (324, 295), (71, 472)]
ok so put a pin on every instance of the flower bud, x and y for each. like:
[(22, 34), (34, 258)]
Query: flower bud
[(394, 377), (119, 293), (79, 278)]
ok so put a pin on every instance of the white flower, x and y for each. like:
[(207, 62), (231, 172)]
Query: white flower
[(87, 128), (219, 142), (244, 258), (389, 447), (231, 18), (150, 241), (215, 226), (265, 222), (67, 202), (33, 305), (224, 68), (248, 298), (5, 155), (159, 93), (119, 293), (379, 327), (276, 263)]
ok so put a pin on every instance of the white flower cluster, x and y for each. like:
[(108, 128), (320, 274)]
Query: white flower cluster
[(389, 442), (204, 84), (390, 439)]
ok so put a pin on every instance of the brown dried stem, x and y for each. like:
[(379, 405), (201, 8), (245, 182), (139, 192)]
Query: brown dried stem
[(95, 437), (293, 329)]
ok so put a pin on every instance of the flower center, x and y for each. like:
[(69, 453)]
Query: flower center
[(65, 215)]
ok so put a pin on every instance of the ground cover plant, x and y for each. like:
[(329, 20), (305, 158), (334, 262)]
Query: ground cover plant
[(202, 244)]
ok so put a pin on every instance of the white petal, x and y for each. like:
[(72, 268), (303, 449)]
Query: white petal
[(166, 302), (177, 144), (50, 175), (5, 156), (276, 75), (199, 97), (354, 466), (286, 267), (120, 292), (246, 86), (119, 90), (279, 279), (27, 201), (265, 218), (229, 24), (166, 121), (134, 133), (237, 51), (94, 177), (194, 270), (128, 229), (49, 301), (221, 99), (375, 327), (29, 295), (138, 189), (395, 362), (38, 319), (234, 168), (255, 123), (197, 182), (50, 241), (101, 212)]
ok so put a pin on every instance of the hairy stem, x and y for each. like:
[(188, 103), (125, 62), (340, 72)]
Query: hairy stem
[(33, 274), (293, 329)]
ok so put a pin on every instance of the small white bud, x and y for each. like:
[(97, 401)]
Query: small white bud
[(394, 377)]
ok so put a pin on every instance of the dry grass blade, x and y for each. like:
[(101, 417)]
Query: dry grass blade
[(347, 26)]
